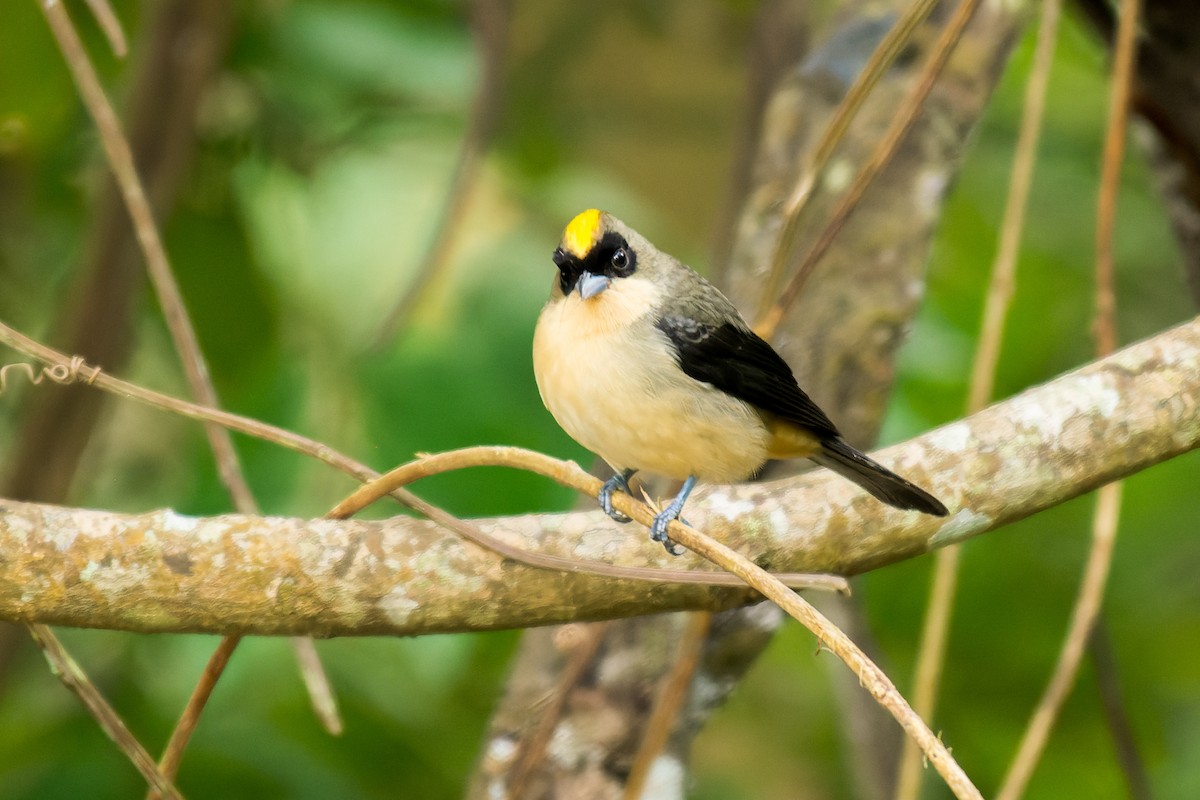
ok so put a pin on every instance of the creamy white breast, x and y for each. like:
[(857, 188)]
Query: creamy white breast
[(610, 379)]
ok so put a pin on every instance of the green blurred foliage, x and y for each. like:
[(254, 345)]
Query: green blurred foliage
[(325, 149)]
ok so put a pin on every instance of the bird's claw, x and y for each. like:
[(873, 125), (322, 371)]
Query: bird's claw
[(618, 481), (658, 530), (662, 521)]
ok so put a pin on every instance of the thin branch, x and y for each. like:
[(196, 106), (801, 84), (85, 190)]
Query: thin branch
[(1108, 686), (881, 59), (182, 45), (672, 693), (1104, 327), (66, 369), (1083, 618), (1003, 279), (931, 655), (120, 159), (316, 681), (111, 25), (566, 473), (880, 157), (1108, 500), (829, 636), (69, 672), (182, 734)]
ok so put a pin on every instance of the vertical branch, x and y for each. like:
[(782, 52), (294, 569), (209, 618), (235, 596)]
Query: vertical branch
[(180, 52), (1108, 499), (1083, 619), (316, 682), (182, 734), (1108, 686), (1104, 328), (120, 158), (931, 655)]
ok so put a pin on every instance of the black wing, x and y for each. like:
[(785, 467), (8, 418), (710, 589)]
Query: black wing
[(738, 362)]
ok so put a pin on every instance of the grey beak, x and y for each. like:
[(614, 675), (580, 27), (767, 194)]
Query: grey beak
[(591, 285)]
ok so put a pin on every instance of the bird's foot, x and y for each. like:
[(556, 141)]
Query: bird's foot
[(658, 531), (662, 521), (618, 481)]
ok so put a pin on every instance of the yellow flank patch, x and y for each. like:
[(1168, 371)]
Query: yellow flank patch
[(790, 441), (582, 233)]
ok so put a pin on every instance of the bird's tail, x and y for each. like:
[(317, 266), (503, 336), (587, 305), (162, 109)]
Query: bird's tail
[(881, 482)]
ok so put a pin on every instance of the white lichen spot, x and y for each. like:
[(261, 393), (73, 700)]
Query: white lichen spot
[(779, 524), (173, 522), (764, 616), (953, 438), (114, 578), (434, 565), (622, 668), (208, 531), (1106, 397), (62, 537), (1032, 415), (18, 528), (501, 750), (708, 692), (963, 525), (722, 504), (665, 779), (397, 605), (564, 745)]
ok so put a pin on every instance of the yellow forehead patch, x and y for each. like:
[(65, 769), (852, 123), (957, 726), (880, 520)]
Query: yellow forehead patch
[(582, 233)]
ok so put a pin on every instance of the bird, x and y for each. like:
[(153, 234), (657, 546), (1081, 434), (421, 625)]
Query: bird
[(648, 365)]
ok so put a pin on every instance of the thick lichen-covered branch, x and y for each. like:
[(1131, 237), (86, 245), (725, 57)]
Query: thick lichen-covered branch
[(162, 571)]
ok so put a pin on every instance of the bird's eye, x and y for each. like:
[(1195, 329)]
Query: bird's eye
[(620, 259)]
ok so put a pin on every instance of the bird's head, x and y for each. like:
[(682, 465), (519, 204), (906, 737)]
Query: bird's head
[(596, 249)]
